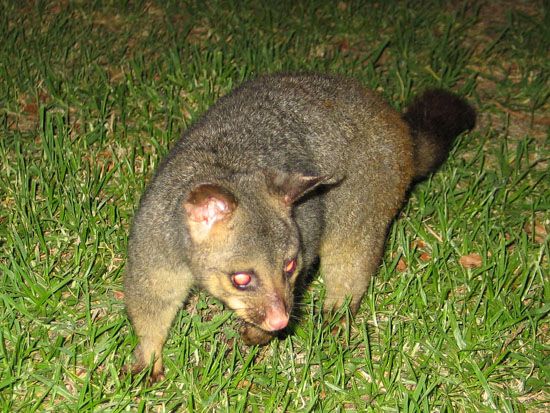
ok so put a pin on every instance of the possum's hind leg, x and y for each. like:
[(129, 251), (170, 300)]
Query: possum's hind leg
[(378, 169), (347, 265)]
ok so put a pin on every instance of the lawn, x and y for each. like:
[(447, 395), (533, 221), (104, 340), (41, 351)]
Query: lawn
[(93, 94)]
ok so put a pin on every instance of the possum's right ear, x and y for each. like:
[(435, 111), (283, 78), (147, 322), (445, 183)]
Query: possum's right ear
[(291, 186), (207, 205)]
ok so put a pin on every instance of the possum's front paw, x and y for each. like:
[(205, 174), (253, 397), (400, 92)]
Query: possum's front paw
[(134, 369), (156, 372), (252, 335), (338, 317)]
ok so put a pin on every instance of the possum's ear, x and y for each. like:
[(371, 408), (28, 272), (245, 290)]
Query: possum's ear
[(289, 187), (207, 205)]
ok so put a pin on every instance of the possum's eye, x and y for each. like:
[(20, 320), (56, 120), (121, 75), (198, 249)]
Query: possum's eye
[(290, 267), (241, 279)]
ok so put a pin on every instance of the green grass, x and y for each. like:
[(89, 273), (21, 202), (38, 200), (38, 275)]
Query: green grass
[(92, 95)]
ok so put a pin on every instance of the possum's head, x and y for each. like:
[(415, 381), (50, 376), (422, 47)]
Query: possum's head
[(246, 245)]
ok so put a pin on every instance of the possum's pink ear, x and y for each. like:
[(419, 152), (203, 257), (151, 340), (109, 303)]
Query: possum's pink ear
[(290, 187), (206, 205)]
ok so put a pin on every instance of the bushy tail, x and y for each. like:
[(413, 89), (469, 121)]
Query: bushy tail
[(436, 118)]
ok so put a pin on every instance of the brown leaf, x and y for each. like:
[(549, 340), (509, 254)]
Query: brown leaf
[(119, 295), (31, 108), (418, 243), (343, 46), (512, 245), (342, 6), (243, 384), (471, 260), (538, 232), (401, 265), (425, 257)]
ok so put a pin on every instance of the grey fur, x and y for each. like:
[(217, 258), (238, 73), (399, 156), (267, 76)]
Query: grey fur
[(342, 157)]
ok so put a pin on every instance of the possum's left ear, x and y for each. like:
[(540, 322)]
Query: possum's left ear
[(291, 186), (207, 207)]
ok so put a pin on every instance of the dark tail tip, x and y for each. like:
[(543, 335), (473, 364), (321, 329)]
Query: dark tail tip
[(442, 113), (436, 118)]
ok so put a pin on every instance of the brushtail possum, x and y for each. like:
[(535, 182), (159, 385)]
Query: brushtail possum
[(283, 170)]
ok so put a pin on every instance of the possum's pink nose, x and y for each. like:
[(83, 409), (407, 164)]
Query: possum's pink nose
[(276, 318), (277, 323)]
